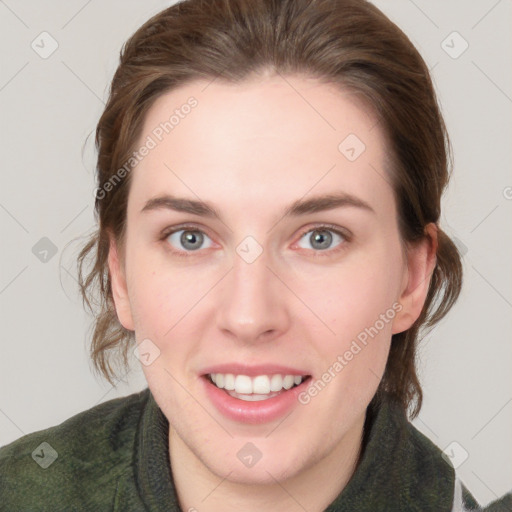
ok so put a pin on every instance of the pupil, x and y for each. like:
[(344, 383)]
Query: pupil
[(322, 238), (191, 239)]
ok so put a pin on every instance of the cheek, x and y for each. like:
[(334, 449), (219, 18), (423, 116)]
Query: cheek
[(352, 296), (158, 301), (165, 296), (359, 311), (357, 301)]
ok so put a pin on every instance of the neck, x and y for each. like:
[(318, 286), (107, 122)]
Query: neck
[(312, 488)]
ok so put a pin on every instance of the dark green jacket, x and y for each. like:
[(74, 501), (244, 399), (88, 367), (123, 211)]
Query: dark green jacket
[(114, 457)]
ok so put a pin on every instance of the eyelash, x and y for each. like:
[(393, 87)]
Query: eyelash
[(321, 227)]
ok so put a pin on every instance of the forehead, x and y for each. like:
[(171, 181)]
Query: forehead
[(277, 138)]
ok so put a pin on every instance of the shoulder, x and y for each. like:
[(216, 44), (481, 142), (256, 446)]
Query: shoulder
[(426, 478), (503, 504), (417, 457), (441, 476), (77, 461), (425, 451)]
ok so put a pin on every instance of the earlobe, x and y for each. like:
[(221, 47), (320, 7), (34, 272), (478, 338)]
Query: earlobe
[(119, 287), (421, 262)]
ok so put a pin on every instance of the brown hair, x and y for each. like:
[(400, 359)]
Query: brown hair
[(346, 42)]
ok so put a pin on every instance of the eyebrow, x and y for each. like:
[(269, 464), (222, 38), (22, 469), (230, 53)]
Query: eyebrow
[(297, 208)]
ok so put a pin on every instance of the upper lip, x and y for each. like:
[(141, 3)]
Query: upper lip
[(253, 370)]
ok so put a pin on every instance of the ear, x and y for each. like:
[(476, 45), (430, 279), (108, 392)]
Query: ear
[(421, 262), (119, 287)]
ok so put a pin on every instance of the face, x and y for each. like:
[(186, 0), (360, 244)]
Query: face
[(262, 241)]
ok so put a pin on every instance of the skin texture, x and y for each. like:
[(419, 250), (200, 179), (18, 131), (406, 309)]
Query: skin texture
[(251, 150)]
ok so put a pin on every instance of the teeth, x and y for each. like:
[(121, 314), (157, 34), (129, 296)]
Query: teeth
[(253, 397), (288, 382), (243, 384), (259, 387), (229, 382), (276, 383)]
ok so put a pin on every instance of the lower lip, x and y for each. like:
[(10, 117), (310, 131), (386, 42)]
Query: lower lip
[(261, 411)]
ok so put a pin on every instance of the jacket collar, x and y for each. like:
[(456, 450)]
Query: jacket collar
[(399, 468)]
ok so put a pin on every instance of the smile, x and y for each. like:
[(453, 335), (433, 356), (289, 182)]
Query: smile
[(254, 395), (252, 389)]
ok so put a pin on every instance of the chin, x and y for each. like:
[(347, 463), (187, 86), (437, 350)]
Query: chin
[(254, 466)]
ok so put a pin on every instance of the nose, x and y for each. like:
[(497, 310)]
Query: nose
[(252, 302)]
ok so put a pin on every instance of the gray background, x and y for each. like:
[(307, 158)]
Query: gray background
[(50, 105)]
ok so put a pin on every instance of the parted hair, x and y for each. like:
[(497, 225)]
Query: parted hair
[(349, 43)]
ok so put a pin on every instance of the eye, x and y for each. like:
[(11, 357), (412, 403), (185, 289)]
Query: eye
[(188, 240), (321, 238)]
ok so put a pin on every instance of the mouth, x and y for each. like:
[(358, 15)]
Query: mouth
[(258, 388), (254, 394)]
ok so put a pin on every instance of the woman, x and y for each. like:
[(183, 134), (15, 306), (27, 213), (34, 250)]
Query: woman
[(269, 185)]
